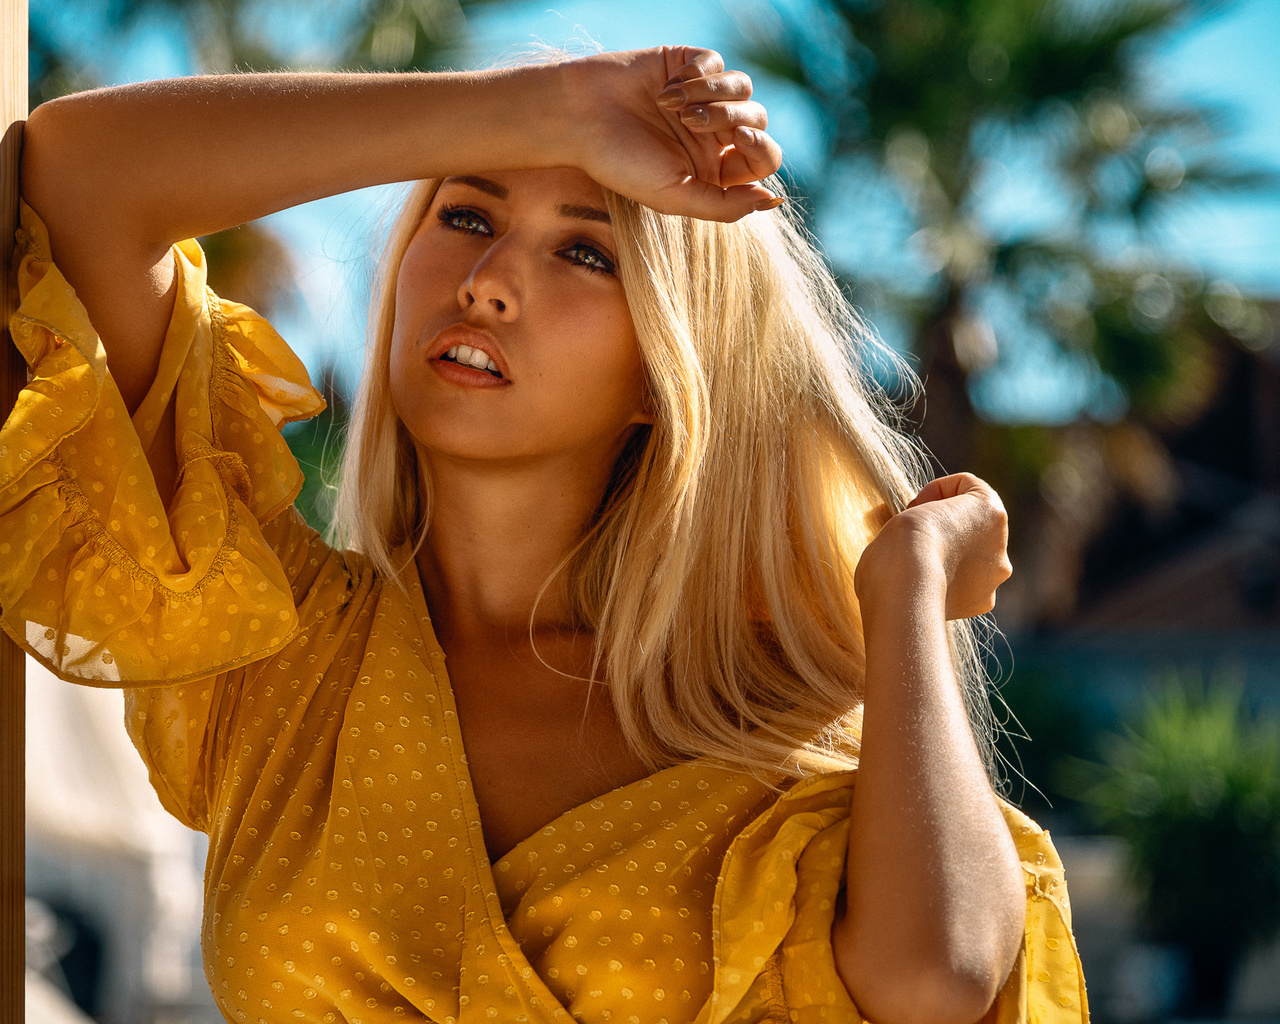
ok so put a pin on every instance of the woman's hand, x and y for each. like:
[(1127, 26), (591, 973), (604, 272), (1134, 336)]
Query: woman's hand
[(670, 128), (952, 536)]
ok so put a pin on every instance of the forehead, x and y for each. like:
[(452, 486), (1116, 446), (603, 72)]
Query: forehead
[(554, 186)]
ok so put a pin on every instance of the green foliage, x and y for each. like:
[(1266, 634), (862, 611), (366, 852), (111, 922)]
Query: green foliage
[(966, 108), (1194, 790), (1044, 725), (260, 35), (937, 93), (317, 444)]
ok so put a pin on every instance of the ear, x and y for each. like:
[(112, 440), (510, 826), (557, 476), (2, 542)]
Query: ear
[(645, 415)]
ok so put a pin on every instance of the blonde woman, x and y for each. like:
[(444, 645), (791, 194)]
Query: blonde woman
[(628, 692)]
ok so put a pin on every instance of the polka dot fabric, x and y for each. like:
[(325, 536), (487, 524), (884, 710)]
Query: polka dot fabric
[(98, 580), (306, 722)]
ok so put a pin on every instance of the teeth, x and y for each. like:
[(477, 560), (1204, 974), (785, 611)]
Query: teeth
[(475, 357)]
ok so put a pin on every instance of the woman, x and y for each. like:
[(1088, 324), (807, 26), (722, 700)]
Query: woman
[(611, 459)]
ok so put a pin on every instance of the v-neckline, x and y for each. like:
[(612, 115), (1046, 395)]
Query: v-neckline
[(486, 870), (461, 764), (427, 629)]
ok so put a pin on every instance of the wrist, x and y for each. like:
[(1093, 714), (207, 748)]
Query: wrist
[(901, 571), (907, 598), (496, 120)]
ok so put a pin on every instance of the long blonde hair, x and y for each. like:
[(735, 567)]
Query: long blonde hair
[(717, 575)]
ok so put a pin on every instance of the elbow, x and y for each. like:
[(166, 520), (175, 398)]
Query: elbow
[(931, 991), (942, 979), (944, 993), (45, 129), (71, 148), (37, 134), (49, 156)]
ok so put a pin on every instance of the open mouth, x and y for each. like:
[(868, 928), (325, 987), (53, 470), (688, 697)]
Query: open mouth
[(477, 359)]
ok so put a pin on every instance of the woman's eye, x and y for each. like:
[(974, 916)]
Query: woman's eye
[(590, 257), (460, 218)]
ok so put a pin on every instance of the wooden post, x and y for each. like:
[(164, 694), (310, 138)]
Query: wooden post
[(13, 99)]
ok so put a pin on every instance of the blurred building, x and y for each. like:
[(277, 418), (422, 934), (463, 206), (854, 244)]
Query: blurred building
[(1191, 589), (113, 882), (1195, 584)]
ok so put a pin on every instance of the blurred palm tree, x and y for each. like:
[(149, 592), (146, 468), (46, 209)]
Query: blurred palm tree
[(970, 110)]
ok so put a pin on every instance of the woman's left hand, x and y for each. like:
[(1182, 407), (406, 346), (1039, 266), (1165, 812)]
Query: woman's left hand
[(953, 535), (670, 127)]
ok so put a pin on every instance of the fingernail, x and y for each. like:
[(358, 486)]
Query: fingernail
[(770, 204), (673, 98), (745, 136), (694, 116)]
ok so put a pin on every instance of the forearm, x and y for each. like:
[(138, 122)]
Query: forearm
[(169, 160), (934, 909)]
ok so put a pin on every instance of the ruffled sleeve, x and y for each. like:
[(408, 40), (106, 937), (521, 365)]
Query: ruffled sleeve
[(776, 902), (98, 579)]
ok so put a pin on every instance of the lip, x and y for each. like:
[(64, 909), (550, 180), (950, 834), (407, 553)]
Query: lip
[(465, 334)]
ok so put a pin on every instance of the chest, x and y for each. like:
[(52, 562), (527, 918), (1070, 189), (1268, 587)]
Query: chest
[(540, 738)]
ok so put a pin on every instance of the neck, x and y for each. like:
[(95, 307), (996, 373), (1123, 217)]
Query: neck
[(497, 535)]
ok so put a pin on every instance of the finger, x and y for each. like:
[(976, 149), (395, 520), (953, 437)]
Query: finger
[(724, 117), (753, 156), (932, 491), (696, 198), (949, 487), (721, 87), (695, 63)]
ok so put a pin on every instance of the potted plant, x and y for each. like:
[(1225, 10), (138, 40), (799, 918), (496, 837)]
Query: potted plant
[(1193, 788)]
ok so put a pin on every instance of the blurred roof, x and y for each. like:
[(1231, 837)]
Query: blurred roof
[(1226, 579), (1210, 562)]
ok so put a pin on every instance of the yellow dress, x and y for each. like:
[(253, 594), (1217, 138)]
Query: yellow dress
[(295, 706)]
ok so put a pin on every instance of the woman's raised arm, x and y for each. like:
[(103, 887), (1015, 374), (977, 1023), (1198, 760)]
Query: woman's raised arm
[(936, 902), (120, 174)]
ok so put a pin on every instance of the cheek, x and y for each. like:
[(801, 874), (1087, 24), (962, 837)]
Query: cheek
[(631, 390), (401, 396), (406, 370), (427, 280), (627, 362)]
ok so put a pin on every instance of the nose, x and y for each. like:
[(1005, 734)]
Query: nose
[(493, 284)]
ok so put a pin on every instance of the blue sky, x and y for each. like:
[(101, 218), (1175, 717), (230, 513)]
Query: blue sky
[(1230, 59)]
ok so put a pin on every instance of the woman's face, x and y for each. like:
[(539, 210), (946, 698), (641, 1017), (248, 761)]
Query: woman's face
[(512, 337)]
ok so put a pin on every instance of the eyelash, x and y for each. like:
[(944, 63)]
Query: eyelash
[(579, 253), (604, 264), (451, 215)]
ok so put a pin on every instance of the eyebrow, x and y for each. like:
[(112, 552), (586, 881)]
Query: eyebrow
[(492, 188), (480, 184), (584, 212)]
